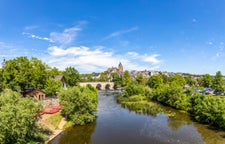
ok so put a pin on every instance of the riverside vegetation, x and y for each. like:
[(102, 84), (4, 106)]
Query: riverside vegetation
[(203, 108)]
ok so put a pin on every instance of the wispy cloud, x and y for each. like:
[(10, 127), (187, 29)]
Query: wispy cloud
[(31, 27), (65, 37), (97, 59), (38, 37), (121, 32), (151, 58)]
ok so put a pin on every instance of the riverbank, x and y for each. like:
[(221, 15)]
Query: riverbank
[(203, 108), (53, 123)]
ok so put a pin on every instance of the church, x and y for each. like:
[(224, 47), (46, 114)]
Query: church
[(118, 69)]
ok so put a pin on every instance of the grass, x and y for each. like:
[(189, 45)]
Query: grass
[(54, 119), (68, 124)]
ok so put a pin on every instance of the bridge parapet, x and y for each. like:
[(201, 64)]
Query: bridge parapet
[(99, 85)]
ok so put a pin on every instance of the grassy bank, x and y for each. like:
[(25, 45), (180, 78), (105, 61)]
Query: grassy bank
[(203, 108)]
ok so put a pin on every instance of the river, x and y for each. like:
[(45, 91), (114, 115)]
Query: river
[(117, 125)]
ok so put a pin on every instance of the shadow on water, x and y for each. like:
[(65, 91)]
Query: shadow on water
[(118, 125), (76, 135)]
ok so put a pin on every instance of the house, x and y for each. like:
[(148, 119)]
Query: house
[(62, 79), (35, 93)]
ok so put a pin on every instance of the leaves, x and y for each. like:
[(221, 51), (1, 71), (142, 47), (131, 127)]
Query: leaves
[(17, 121), (79, 104)]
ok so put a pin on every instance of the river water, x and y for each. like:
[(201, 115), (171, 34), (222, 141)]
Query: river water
[(117, 125)]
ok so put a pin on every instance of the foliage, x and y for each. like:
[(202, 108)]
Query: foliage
[(218, 82), (155, 81), (178, 79), (133, 89), (72, 76), (139, 104), (116, 78), (206, 81), (53, 86), (22, 73), (140, 79), (126, 80), (79, 104), (209, 109), (190, 81), (17, 120), (104, 77)]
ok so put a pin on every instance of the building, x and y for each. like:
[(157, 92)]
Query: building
[(116, 70), (120, 68), (62, 79), (35, 93)]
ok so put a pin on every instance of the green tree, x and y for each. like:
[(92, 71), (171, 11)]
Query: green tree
[(206, 81), (218, 82), (155, 81), (103, 77), (17, 120), (178, 79), (72, 76), (190, 81), (116, 79), (39, 73), (21, 73), (126, 80), (53, 86), (79, 104), (140, 79)]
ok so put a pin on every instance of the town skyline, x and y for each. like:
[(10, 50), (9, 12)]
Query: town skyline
[(183, 36)]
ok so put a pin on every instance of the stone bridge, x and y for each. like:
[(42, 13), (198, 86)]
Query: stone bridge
[(99, 85)]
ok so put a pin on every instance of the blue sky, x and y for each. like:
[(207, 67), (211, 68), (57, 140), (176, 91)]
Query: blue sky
[(93, 35)]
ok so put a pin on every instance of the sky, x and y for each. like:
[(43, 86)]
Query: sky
[(93, 35)]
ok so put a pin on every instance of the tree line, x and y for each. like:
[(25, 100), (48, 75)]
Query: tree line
[(174, 92), (23, 73)]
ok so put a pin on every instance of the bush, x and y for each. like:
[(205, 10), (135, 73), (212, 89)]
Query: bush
[(136, 89), (79, 104), (17, 120), (209, 109)]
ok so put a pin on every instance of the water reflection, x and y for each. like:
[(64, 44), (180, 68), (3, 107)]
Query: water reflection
[(117, 125), (76, 135)]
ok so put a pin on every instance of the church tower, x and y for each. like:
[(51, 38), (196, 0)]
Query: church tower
[(120, 68)]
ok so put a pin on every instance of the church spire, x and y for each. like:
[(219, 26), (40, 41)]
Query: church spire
[(120, 68)]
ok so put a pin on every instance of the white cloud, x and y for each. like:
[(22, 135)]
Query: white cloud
[(121, 32), (38, 37), (97, 59), (66, 37), (151, 58), (31, 27)]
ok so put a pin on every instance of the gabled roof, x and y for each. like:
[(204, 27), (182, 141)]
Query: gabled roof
[(59, 77)]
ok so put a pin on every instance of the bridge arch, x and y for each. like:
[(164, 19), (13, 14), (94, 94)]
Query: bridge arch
[(100, 85)]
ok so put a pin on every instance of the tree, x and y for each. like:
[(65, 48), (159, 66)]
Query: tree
[(206, 81), (79, 104), (140, 79), (155, 81), (53, 86), (103, 77), (190, 81), (116, 79), (17, 120), (21, 73), (179, 80), (39, 73), (72, 76), (218, 82), (126, 80)]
